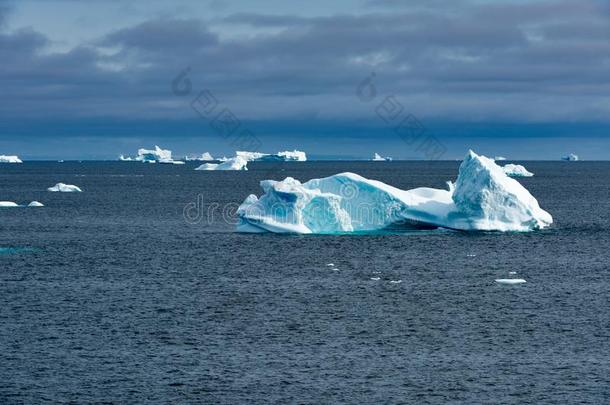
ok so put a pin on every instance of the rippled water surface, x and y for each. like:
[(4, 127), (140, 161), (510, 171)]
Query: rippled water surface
[(112, 295)]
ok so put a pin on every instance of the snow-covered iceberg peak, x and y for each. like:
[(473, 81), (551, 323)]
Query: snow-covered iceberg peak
[(65, 188), (236, 163), (487, 199), (483, 198), (516, 171), (10, 159)]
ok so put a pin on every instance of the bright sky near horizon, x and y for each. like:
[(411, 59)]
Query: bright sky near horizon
[(94, 79)]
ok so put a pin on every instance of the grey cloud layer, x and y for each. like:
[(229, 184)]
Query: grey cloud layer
[(537, 61)]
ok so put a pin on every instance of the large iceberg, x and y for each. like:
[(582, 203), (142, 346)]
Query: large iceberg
[(236, 163), (483, 198), (286, 156), (516, 171), (10, 159), (65, 188)]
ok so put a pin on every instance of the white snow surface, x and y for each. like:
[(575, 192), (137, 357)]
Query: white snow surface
[(516, 171), (483, 198), (236, 163), (10, 159), (65, 188)]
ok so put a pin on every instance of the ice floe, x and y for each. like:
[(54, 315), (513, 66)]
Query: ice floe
[(65, 188), (510, 281), (516, 171), (484, 199), (10, 159), (236, 163), (11, 204)]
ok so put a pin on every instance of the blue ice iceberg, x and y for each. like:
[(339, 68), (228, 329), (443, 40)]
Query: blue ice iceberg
[(483, 198)]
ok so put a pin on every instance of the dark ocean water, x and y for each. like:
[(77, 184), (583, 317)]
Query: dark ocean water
[(112, 295)]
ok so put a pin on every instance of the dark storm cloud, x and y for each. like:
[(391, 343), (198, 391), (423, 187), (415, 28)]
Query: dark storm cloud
[(540, 60)]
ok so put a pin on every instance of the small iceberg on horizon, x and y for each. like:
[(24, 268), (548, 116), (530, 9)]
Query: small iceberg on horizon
[(236, 163), (35, 204), (516, 171), (285, 156), (65, 188), (10, 159), (499, 158), (570, 158), (378, 158), (483, 198), (157, 155)]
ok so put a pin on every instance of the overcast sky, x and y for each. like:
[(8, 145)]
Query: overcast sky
[(530, 79)]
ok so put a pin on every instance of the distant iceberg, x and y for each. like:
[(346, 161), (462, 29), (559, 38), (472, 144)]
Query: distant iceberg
[(516, 171), (35, 204), (483, 198), (204, 157), (499, 158), (156, 155), (286, 156), (378, 158), (570, 158), (10, 159), (65, 188), (236, 163)]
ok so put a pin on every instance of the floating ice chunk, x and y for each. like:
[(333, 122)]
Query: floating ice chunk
[(395, 281), (8, 204), (330, 264), (35, 204), (471, 255), (65, 188), (10, 159), (510, 281), (516, 171), (236, 163), (125, 159), (499, 158), (512, 273), (483, 198), (375, 278), (570, 158), (378, 158)]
